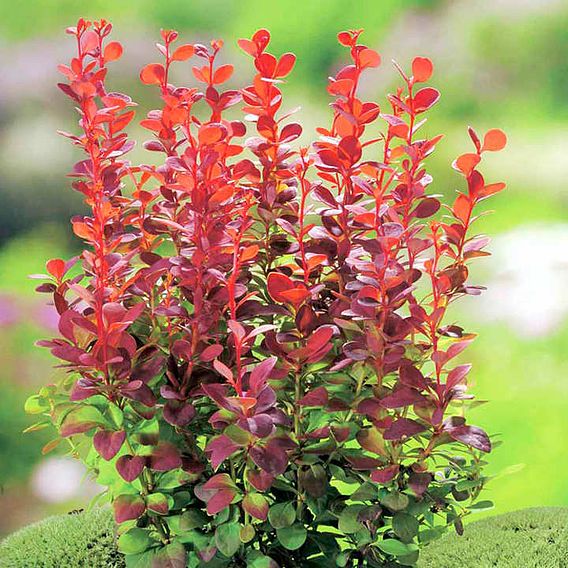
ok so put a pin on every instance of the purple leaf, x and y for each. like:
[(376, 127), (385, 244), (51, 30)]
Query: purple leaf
[(108, 443), (469, 435), (403, 427), (130, 467)]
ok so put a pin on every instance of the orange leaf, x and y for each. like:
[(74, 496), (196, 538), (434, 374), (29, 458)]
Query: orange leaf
[(222, 74), (153, 74), (494, 140), (211, 134), (249, 253), (112, 52), (422, 69), (183, 52), (466, 162), (369, 58), (462, 208), (490, 189)]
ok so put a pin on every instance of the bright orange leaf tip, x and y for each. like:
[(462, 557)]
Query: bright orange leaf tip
[(422, 69), (494, 140), (183, 52), (112, 52)]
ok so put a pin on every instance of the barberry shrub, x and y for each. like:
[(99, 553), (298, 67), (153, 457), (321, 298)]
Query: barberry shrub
[(260, 367)]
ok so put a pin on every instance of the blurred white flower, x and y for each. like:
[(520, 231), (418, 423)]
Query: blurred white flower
[(528, 280), (60, 479)]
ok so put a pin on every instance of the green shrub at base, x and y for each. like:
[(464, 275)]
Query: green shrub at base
[(530, 538), (83, 540)]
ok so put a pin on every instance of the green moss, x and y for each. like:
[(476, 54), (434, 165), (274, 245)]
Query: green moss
[(527, 538), (84, 540)]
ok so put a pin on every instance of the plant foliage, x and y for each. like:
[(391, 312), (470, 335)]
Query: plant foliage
[(261, 367)]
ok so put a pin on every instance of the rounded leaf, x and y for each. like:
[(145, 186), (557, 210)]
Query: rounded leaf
[(292, 537), (494, 140), (422, 69)]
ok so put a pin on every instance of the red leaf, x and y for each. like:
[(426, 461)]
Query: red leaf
[(316, 397), (260, 479), (165, 457), (345, 39), (108, 443), (56, 267), (128, 507), (130, 467), (457, 375), (266, 65), (219, 449), (153, 74), (260, 373), (385, 475), (211, 352), (256, 505), (426, 208), (112, 52), (278, 283), (403, 396), (494, 140), (412, 377), (422, 69), (178, 413), (222, 74), (425, 99), (221, 500), (285, 65), (219, 481), (183, 52)]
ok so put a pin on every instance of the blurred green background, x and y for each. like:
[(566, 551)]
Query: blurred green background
[(498, 64)]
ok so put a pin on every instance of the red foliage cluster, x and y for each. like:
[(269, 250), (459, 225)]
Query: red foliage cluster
[(254, 325)]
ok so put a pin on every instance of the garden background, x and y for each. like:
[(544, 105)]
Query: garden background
[(500, 64)]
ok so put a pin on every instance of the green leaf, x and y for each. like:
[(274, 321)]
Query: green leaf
[(429, 535), (134, 541), (81, 419), (292, 537), (482, 506), (171, 556), (395, 547), (367, 492), (282, 515), (405, 526), (247, 533), (256, 559), (192, 519), (36, 405), (228, 539), (396, 501), (348, 519)]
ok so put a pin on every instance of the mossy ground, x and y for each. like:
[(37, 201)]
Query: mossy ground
[(530, 538), (83, 540)]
